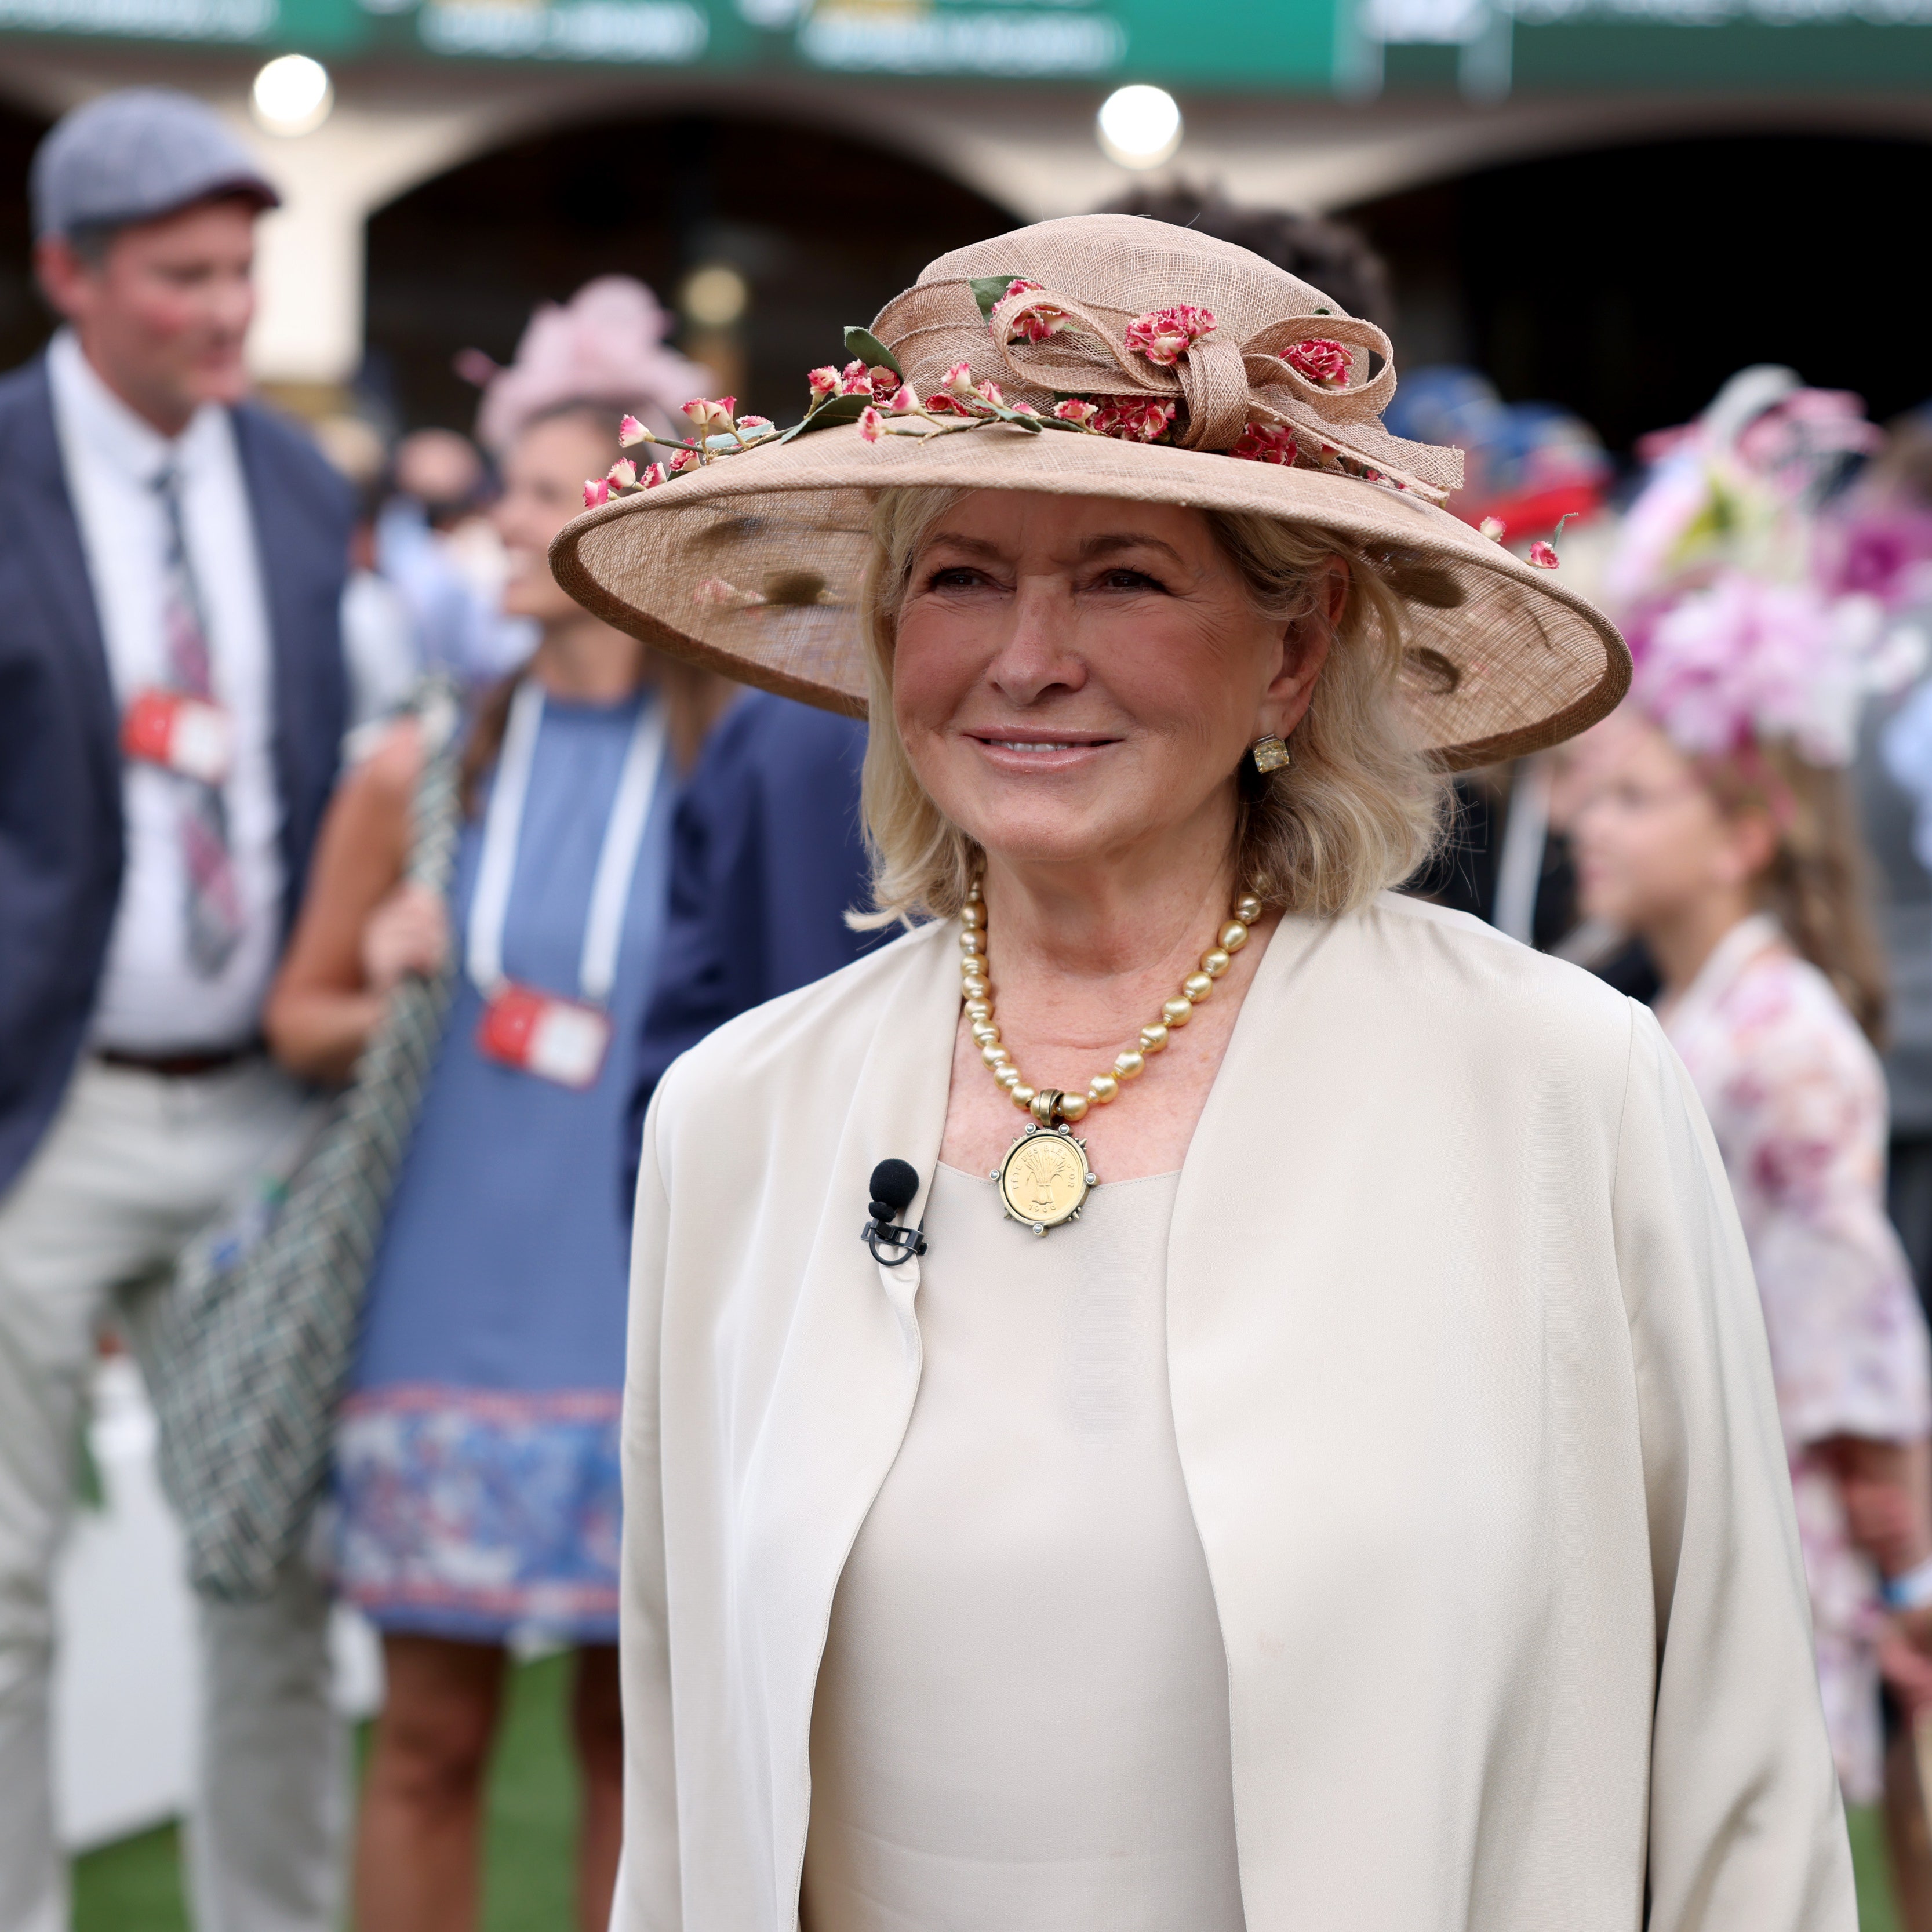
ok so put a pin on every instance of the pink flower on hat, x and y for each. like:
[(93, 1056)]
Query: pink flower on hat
[(1494, 528), (1074, 411), (855, 379), (1135, 419), (870, 423), (824, 381), (630, 432), (941, 403), (905, 403), (1320, 361), (707, 417), (1267, 442), (990, 391), (959, 378), (685, 459), (596, 490), (1164, 335), (755, 425), (623, 474), (656, 475), (1036, 322), (1543, 554)]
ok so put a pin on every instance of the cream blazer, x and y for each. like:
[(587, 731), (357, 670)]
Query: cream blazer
[(1473, 1402)]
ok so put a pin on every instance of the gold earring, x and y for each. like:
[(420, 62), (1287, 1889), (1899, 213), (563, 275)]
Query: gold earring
[(1269, 753)]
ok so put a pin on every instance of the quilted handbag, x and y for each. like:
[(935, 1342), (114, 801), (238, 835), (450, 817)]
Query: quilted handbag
[(247, 1351)]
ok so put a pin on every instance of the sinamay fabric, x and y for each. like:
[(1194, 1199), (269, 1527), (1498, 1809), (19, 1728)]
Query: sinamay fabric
[(753, 563)]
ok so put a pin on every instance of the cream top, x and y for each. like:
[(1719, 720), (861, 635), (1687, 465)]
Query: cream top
[(1022, 1719)]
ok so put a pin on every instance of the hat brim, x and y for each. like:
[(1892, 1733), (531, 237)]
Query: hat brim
[(752, 565)]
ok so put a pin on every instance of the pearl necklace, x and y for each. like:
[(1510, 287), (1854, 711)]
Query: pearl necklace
[(1045, 1178)]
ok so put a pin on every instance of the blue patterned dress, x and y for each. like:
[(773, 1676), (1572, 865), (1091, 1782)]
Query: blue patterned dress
[(477, 1470)]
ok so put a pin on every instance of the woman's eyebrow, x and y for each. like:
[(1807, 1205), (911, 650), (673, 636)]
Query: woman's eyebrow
[(972, 546), (1107, 546)]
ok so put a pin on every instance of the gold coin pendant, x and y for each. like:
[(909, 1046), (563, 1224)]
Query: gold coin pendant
[(1044, 1180)]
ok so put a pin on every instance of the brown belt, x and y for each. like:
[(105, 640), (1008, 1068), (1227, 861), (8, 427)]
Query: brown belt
[(180, 1066)]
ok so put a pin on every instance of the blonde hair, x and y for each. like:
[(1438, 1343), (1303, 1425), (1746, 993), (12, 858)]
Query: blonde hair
[(1358, 810), (1817, 883)]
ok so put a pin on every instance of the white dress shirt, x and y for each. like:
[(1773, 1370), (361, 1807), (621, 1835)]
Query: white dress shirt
[(151, 999)]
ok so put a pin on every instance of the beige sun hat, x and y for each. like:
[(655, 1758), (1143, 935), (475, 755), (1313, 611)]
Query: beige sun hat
[(1124, 328)]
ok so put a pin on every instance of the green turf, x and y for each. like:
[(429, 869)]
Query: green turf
[(527, 1886), (528, 1881)]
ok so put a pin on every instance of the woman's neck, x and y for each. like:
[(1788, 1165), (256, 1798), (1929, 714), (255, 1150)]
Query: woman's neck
[(586, 662), (1105, 917), (1681, 942)]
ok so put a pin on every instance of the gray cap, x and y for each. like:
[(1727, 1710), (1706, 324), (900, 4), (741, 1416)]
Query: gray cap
[(134, 155)]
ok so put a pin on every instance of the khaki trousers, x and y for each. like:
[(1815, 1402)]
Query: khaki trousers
[(133, 1164)]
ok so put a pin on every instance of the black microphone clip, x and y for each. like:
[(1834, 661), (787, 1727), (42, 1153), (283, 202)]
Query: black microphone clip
[(894, 1184)]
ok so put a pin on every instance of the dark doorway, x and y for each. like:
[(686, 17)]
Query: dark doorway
[(1628, 282), (823, 229), (25, 321)]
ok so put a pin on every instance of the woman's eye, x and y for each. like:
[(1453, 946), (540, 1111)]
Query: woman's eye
[(954, 576), (1124, 579)]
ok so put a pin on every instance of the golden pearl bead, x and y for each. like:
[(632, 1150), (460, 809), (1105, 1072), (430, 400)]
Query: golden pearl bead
[(1022, 1096), (1178, 1012), (984, 1032), (972, 914), (1152, 1038), (1247, 908), (994, 1055), (1197, 986), (1008, 1076), (978, 1009), (1073, 1107), (1103, 1088), (1233, 936), (971, 941), (1127, 1065), (974, 987), (1216, 963)]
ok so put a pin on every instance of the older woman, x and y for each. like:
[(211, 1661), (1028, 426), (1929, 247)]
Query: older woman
[(1329, 1474)]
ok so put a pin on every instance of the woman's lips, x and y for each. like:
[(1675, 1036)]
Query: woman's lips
[(1039, 751)]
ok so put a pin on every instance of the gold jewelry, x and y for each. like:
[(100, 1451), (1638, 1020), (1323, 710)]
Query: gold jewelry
[(1269, 753), (1045, 1178)]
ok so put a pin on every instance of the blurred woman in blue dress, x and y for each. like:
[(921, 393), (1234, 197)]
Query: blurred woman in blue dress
[(477, 1481)]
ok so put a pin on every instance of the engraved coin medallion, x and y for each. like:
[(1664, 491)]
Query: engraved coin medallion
[(1044, 1179)]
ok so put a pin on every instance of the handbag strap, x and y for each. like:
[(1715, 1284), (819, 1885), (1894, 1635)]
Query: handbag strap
[(438, 816)]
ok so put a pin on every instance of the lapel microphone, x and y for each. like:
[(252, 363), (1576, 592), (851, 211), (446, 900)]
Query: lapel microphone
[(894, 1184)]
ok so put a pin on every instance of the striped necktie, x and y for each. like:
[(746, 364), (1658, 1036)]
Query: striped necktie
[(214, 905)]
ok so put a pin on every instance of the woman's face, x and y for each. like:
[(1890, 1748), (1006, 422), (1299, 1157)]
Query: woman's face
[(543, 489), (1652, 844), (1075, 677)]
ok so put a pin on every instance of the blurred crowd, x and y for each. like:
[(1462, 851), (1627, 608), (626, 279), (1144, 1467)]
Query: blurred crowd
[(296, 720)]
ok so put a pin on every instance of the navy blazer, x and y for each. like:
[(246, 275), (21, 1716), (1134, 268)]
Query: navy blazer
[(61, 845), (766, 859)]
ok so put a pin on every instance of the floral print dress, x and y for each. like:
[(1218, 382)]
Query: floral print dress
[(1796, 1099)]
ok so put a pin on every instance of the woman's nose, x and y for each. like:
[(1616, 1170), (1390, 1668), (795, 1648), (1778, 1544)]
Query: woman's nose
[(1038, 653)]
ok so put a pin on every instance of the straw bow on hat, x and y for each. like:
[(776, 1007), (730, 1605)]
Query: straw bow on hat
[(1100, 355)]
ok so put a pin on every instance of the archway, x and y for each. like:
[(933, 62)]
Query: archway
[(824, 229), (1627, 283), (25, 321)]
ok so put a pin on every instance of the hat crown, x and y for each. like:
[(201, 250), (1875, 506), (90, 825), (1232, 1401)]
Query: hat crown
[(1125, 307)]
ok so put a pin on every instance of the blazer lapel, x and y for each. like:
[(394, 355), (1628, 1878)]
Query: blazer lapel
[(55, 564), (844, 1396)]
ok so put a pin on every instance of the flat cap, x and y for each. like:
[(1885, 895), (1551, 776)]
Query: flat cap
[(134, 155)]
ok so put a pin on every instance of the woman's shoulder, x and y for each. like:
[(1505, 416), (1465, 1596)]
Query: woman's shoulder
[(1442, 960), (825, 1026)]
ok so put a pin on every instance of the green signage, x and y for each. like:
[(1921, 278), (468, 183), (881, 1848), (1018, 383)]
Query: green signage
[(1486, 47)]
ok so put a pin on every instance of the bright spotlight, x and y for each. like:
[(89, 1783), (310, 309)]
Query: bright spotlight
[(715, 296), (293, 94), (1140, 126)]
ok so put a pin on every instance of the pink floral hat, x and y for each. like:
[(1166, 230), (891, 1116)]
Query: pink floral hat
[(1101, 355)]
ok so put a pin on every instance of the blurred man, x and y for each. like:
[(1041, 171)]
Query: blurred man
[(171, 697)]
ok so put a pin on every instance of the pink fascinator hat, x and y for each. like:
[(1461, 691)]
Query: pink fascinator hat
[(606, 345)]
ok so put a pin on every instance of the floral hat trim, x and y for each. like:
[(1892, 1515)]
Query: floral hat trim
[(1305, 394)]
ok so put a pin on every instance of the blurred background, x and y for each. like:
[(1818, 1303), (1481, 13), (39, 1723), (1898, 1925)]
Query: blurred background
[(1602, 207)]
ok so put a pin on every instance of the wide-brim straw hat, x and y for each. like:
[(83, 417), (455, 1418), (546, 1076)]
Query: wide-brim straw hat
[(752, 565)]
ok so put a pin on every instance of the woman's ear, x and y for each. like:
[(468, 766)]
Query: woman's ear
[(1305, 644), (1750, 845)]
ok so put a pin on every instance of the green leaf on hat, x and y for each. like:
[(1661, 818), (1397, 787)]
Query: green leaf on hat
[(867, 347), (988, 290), (834, 410)]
